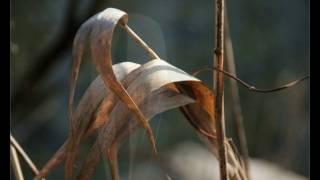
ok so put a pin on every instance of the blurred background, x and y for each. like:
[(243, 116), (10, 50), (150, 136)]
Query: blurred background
[(271, 47)]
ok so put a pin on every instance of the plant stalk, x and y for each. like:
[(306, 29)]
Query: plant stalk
[(218, 87), (152, 55), (15, 163), (235, 98), (24, 155)]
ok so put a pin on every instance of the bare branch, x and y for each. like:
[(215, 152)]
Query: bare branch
[(50, 55)]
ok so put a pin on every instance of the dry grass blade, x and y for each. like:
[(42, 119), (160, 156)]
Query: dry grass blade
[(138, 40), (235, 97), (126, 96), (148, 89), (24, 155), (91, 112), (100, 29), (172, 99), (15, 163)]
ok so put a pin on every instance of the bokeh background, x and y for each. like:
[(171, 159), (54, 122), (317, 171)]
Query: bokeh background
[(271, 47)]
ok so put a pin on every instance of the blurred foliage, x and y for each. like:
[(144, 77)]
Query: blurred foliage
[(271, 46)]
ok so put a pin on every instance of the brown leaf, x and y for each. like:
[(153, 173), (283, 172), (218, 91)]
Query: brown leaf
[(100, 28), (201, 116), (155, 81), (150, 90), (85, 116), (112, 154)]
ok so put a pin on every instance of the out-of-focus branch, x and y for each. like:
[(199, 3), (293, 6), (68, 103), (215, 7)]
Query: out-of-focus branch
[(50, 55), (235, 98)]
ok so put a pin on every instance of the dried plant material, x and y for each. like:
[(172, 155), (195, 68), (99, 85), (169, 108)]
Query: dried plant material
[(251, 87), (200, 115), (88, 112), (112, 154), (100, 29), (168, 177), (235, 97), (149, 90), (14, 148), (24, 155), (15, 163), (85, 117), (138, 40), (145, 90), (218, 87)]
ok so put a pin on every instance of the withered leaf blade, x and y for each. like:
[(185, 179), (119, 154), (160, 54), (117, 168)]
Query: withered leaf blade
[(100, 27), (148, 88), (85, 117), (101, 39), (160, 101), (201, 115), (149, 107)]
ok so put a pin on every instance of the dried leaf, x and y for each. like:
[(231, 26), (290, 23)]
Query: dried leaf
[(201, 116), (100, 29), (147, 88), (112, 154), (85, 116), (153, 87)]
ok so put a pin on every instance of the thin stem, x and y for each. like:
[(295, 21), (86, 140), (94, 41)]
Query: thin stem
[(112, 153), (251, 87), (26, 158), (218, 108), (235, 98), (138, 40), (15, 163)]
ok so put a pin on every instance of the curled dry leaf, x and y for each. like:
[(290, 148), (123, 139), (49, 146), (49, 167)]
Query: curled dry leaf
[(141, 81), (201, 116), (86, 118), (149, 86), (169, 80), (154, 87), (100, 29)]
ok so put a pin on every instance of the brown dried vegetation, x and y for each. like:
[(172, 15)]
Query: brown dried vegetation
[(127, 95)]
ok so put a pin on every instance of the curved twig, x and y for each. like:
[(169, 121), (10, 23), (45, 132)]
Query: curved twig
[(251, 87)]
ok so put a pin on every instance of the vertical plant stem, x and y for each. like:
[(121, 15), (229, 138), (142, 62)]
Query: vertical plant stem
[(15, 163), (235, 98), (24, 155), (218, 79)]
